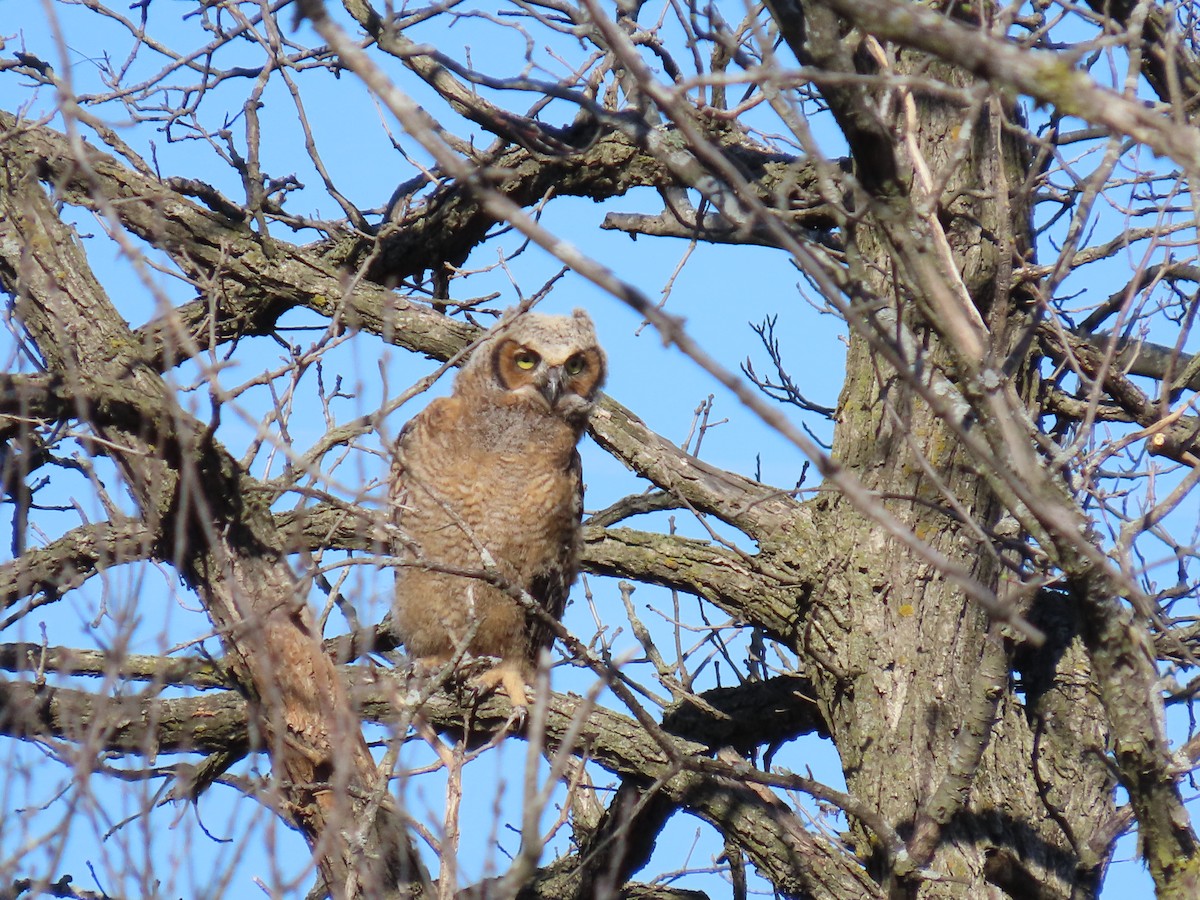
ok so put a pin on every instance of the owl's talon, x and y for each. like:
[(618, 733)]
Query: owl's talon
[(516, 719), (511, 678)]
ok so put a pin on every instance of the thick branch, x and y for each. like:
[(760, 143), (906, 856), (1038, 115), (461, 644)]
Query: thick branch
[(796, 861), (223, 541), (1166, 64), (744, 586), (730, 580), (817, 38), (1176, 438), (175, 671), (251, 281), (268, 284), (755, 508), (1043, 76), (69, 561), (212, 723), (1123, 657), (1150, 360), (262, 278)]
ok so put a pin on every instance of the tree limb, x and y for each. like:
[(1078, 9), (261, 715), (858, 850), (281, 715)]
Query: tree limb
[(1046, 77), (798, 862), (221, 542)]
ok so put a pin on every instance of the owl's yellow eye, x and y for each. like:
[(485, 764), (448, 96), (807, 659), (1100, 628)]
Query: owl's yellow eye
[(525, 359), (575, 364)]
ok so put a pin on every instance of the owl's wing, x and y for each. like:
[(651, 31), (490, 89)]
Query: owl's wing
[(410, 453), (437, 415), (551, 587), (398, 488)]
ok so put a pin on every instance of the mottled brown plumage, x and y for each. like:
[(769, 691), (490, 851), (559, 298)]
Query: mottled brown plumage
[(493, 470)]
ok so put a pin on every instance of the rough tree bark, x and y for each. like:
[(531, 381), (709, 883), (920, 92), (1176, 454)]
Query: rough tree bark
[(986, 660)]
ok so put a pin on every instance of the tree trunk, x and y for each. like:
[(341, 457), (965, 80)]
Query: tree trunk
[(915, 682)]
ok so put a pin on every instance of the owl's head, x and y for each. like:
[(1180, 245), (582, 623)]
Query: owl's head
[(553, 363)]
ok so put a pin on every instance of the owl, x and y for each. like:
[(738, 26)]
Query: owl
[(490, 477)]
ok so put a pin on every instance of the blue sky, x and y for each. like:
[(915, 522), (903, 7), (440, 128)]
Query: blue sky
[(720, 290)]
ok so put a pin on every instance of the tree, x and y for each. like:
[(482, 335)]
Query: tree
[(986, 606)]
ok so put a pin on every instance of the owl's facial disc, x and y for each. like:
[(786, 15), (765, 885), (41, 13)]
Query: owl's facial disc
[(567, 385)]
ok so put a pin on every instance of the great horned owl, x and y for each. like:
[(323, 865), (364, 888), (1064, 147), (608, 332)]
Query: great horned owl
[(494, 468)]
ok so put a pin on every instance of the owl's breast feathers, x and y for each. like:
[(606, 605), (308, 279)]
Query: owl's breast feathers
[(512, 477)]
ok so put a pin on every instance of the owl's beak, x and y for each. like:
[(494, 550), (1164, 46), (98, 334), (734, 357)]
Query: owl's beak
[(552, 387)]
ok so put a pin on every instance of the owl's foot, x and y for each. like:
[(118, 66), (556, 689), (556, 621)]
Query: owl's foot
[(510, 677)]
